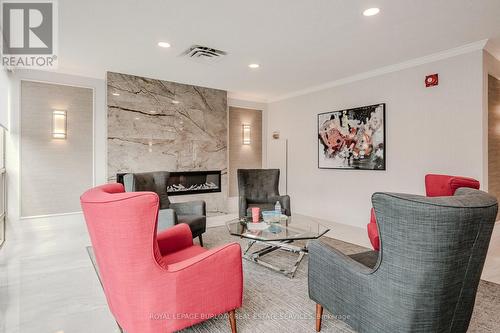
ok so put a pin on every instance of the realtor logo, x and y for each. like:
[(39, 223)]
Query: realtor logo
[(29, 34)]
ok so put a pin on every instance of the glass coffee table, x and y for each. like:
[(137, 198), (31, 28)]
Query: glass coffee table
[(277, 236)]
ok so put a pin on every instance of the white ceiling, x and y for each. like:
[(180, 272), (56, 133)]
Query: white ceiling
[(299, 44)]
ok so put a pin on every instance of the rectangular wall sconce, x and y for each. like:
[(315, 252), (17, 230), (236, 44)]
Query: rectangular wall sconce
[(59, 124), (246, 134)]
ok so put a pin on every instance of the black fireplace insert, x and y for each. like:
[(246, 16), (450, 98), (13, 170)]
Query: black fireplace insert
[(192, 182), (189, 182)]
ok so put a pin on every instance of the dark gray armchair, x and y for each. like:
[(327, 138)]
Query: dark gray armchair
[(192, 213), (259, 188), (426, 275)]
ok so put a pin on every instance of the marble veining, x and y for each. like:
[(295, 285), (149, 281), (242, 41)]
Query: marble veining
[(161, 125)]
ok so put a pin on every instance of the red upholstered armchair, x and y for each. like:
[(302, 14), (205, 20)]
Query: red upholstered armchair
[(158, 283), (435, 186)]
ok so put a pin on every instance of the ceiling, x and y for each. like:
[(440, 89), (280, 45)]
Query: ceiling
[(298, 44)]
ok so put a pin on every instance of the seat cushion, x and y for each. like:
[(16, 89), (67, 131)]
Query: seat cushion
[(368, 258), (197, 223), (182, 255), (373, 236), (373, 231)]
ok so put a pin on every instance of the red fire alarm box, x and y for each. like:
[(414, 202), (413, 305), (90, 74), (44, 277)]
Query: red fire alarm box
[(431, 80)]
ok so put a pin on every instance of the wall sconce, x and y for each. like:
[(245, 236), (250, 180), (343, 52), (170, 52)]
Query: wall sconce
[(246, 134), (59, 124)]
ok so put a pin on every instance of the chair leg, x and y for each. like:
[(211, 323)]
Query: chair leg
[(232, 321), (201, 240), (319, 315)]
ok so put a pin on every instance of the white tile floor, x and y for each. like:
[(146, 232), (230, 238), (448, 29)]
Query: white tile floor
[(48, 285)]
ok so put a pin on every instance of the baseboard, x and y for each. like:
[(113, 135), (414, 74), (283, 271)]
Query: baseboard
[(49, 215)]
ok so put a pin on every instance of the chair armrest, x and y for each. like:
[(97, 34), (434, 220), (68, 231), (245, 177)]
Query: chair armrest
[(174, 239), (330, 268), (335, 280), (189, 208), (221, 254), (211, 282), (333, 260), (285, 204), (242, 206)]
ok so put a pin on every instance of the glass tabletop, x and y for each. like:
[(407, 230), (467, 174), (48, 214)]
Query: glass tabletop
[(293, 228)]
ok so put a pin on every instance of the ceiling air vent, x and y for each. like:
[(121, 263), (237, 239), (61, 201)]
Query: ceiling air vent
[(203, 54)]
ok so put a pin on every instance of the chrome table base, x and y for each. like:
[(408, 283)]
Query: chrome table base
[(271, 246)]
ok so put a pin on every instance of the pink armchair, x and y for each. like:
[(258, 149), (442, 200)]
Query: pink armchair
[(158, 283), (435, 186)]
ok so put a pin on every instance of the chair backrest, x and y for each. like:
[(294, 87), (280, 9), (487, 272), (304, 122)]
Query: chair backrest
[(258, 184), (122, 228), (149, 181), (445, 185), (432, 254)]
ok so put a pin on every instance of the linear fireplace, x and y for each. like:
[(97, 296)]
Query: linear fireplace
[(189, 182), (192, 182)]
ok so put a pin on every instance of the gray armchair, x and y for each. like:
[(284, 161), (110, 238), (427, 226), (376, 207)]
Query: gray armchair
[(259, 188), (426, 275), (193, 213)]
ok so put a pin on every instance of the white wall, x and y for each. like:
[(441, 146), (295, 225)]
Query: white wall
[(4, 98), (13, 142), (428, 130)]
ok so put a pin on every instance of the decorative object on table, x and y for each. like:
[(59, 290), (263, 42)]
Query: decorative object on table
[(352, 138), (257, 226), (277, 236), (272, 216), (193, 213), (435, 186), (277, 207), (259, 188), (255, 214), (170, 275), (275, 228), (433, 251)]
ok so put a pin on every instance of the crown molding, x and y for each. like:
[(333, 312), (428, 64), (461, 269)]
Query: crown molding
[(467, 48)]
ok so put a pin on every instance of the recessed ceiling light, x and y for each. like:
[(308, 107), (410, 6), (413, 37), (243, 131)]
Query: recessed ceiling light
[(253, 66), (163, 44), (371, 11), (175, 102), (115, 94)]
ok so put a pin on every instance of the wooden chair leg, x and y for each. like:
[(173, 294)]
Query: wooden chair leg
[(319, 315), (201, 240), (232, 321)]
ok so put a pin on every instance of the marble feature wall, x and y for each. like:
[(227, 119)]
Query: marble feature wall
[(160, 125)]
